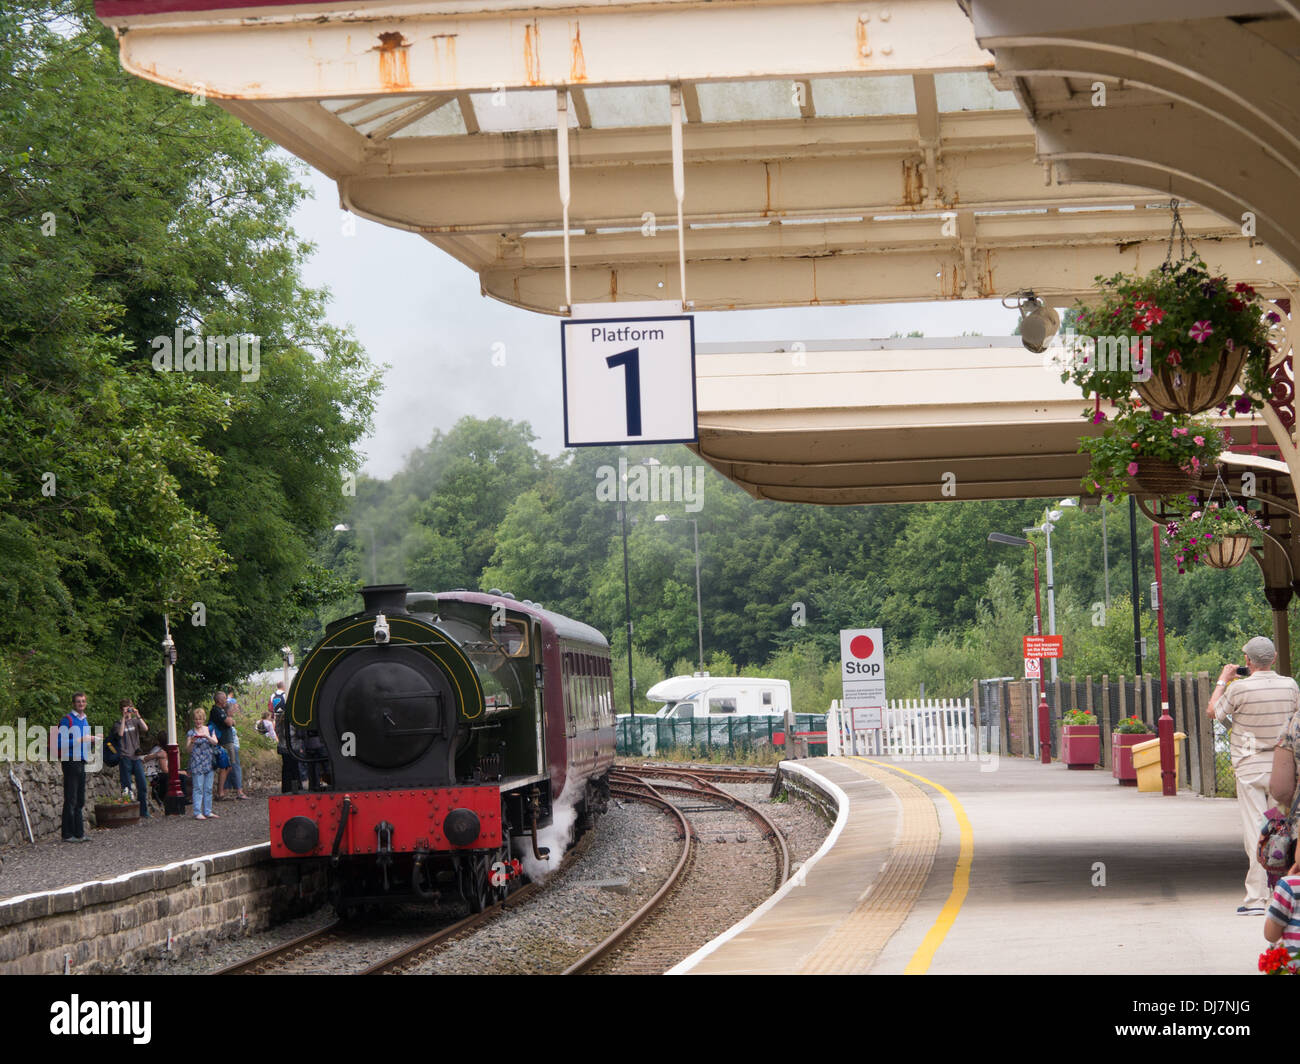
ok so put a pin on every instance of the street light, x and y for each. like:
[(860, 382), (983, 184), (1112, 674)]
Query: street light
[(1040, 718), (1050, 517), (627, 588), (374, 569), (699, 612)]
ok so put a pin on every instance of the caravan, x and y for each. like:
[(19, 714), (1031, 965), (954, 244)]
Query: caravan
[(687, 697)]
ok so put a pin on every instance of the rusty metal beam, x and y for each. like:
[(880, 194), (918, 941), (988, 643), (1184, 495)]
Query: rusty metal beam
[(373, 48)]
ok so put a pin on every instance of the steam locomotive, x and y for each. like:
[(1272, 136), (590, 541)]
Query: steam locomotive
[(449, 726)]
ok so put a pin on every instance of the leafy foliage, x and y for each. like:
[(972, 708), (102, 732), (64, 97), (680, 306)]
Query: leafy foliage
[(126, 492)]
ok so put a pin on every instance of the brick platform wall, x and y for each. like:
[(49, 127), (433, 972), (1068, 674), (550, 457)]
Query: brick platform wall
[(107, 926)]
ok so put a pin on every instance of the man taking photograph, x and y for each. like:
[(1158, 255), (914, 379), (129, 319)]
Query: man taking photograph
[(1256, 706)]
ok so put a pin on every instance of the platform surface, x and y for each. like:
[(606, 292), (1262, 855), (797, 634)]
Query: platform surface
[(1052, 872)]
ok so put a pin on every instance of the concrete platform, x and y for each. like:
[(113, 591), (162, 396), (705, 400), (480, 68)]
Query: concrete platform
[(1034, 870)]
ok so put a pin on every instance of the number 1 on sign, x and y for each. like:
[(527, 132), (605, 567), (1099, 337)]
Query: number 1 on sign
[(630, 360)]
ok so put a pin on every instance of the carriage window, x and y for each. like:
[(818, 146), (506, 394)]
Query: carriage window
[(722, 705)]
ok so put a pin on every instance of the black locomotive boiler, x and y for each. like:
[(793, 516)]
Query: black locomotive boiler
[(450, 724)]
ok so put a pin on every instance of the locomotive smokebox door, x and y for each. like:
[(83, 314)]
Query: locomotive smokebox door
[(390, 717)]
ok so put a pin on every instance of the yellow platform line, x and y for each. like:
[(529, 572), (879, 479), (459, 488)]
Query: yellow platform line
[(924, 956), (856, 943)]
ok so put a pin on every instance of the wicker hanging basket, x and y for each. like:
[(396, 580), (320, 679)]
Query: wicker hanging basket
[(1175, 391), (1227, 552), (1159, 476)]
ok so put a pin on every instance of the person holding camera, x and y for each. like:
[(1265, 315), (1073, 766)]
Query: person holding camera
[(1257, 704), (129, 735)]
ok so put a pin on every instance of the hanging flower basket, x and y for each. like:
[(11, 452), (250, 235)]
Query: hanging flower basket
[(1180, 336), (1159, 476), (1172, 389), (1228, 552), (1221, 535), (1151, 452)]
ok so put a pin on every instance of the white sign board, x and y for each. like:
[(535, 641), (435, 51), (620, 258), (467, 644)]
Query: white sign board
[(862, 666), (628, 380), (865, 718), (1033, 669)]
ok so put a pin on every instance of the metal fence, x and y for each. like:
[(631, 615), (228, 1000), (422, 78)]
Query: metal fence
[(645, 736), (924, 730), (1204, 766)]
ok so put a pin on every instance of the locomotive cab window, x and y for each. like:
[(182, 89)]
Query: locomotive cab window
[(512, 638)]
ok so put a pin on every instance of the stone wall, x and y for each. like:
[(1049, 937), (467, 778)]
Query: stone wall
[(110, 925), (43, 789)]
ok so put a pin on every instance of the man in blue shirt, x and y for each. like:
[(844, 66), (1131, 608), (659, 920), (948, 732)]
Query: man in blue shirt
[(76, 746)]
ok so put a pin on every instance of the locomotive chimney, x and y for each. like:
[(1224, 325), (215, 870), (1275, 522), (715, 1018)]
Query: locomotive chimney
[(385, 598)]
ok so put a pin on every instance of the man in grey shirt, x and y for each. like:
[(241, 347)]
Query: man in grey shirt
[(1257, 707)]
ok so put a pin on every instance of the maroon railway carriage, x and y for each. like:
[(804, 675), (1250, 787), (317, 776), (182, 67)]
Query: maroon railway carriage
[(447, 727)]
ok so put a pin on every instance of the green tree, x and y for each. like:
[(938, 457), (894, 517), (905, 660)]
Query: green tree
[(125, 490)]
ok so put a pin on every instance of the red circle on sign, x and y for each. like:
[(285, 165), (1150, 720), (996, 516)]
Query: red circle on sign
[(861, 646)]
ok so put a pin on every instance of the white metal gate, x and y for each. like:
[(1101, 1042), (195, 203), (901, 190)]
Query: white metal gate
[(929, 730)]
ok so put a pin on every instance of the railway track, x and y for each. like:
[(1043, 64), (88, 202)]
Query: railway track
[(709, 887), (316, 950), (713, 774)]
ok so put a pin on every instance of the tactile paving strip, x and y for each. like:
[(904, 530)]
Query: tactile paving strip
[(853, 947)]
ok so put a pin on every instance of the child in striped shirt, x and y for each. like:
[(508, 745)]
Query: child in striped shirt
[(1283, 924)]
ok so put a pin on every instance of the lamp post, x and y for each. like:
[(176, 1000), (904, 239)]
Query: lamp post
[(1050, 517), (175, 799), (627, 589), (374, 566), (699, 611), (1165, 726), (1040, 718), (627, 611)]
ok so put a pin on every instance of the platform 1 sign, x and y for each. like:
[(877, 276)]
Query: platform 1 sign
[(862, 667), (1044, 646), (628, 380)]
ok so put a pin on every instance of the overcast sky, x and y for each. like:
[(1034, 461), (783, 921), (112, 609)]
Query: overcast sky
[(418, 309)]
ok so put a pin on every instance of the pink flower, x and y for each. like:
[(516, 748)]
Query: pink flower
[(1098, 418), (1179, 432), (1199, 441), (1132, 468), (1200, 332)]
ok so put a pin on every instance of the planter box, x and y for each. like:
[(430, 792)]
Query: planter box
[(1121, 749), (1081, 745), (116, 816), (1146, 759)]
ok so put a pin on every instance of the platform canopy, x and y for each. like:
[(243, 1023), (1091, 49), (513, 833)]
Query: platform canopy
[(833, 153), (889, 421)]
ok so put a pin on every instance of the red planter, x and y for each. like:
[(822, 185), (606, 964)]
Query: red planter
[(1081, 745), (1121, 748)]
